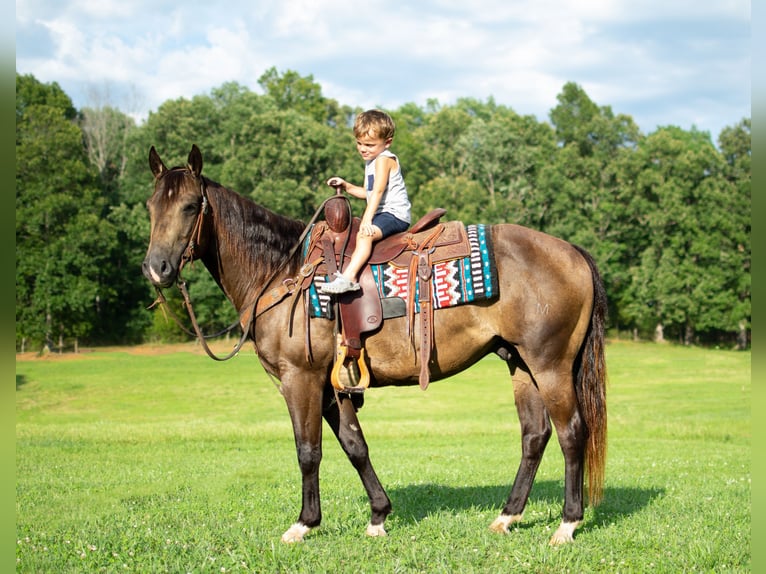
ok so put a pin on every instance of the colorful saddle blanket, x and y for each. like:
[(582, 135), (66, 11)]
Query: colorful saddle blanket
[(454, 282)]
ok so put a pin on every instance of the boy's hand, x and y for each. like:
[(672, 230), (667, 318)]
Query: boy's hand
[(365, 228), (337, 182)]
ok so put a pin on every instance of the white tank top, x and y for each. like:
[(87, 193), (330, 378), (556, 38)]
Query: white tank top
[(395, 199)]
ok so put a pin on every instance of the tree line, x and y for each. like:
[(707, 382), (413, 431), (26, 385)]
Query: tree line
[(665, 214)]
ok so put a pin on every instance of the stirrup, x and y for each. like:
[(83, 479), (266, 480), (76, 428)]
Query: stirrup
[(354, 372)]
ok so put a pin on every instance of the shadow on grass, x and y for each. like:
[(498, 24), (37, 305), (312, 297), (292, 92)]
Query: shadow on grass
[(414, 502), (21, 380)]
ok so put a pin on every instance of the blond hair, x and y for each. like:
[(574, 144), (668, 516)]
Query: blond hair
[(375, 123)]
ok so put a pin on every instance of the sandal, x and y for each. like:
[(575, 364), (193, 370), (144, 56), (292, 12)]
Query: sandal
[(339, 285)]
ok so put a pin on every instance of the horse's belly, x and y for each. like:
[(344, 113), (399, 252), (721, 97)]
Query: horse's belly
[(460, 339)]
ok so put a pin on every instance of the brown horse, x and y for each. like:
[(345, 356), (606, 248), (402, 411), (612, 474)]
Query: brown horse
[(547, 323)]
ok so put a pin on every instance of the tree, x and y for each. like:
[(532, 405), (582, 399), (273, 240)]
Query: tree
[(689, 280), (282, 159), (442, 130), (109, 142), (464, 198), (409, 148), (125, 318), (172, 129), (106, 132), (505, 153), (63, 242), (735, 145), (30, 92), (301, 94), (236, 105), (585, 193)]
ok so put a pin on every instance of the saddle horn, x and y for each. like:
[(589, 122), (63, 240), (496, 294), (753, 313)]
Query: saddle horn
[(337, 212)]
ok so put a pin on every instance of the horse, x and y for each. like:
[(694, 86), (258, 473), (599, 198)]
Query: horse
[(547, 323)]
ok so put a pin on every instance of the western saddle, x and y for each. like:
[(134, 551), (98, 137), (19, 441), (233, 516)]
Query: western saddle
[(331, 244)]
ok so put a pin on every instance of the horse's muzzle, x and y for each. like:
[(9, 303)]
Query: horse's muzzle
[(159, 270)]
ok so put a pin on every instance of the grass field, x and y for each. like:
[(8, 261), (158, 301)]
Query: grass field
[(129, 461)]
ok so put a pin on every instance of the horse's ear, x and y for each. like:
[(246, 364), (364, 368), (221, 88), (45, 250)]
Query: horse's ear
[(195, 160), (155, 163)]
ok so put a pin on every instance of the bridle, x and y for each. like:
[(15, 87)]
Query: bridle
[(265, 299), (188, 257)]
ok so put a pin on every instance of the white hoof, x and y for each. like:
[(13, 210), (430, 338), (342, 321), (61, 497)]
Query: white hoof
[(503, 522), (375, 530), (295, 533), (564, 534)]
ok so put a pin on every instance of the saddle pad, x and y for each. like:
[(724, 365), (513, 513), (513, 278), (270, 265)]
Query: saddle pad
[(454, 282)]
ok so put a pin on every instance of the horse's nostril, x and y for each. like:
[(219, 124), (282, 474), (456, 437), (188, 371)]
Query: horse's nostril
[(158, 270)]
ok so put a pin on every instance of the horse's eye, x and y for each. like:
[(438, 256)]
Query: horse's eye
[(191, 208)]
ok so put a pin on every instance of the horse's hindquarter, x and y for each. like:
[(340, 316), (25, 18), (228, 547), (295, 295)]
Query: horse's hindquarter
[(546, 291)]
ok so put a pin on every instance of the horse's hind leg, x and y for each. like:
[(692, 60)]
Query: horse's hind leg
[(535, 432), (558, 393), (340, 414), (550, 397)]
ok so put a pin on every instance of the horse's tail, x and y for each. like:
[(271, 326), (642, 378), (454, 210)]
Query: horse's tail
[(590, 384)]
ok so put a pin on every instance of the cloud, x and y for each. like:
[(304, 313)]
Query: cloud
[(646, 58)]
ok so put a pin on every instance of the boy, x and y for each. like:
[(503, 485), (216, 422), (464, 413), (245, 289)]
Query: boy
[(388, 206)]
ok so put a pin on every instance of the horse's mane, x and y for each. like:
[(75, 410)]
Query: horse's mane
[(254, 235)]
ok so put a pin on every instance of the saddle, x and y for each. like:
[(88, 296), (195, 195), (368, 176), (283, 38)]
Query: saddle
[(426, 243)]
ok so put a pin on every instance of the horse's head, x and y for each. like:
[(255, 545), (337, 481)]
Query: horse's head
[(175, 209)]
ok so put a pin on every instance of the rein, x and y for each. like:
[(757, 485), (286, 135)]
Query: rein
[(262, 301)]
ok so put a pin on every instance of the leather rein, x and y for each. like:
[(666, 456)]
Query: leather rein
[(265, 298)]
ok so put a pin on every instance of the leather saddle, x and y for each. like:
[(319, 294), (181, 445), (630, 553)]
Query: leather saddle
[(427, 242)]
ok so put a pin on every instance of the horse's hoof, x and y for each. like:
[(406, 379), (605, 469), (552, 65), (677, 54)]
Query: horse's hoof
[(564, 534), (375, 530), (503, 522), (295, 533)]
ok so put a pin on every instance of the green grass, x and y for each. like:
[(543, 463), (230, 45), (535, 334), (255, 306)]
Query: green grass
[(176, 463)]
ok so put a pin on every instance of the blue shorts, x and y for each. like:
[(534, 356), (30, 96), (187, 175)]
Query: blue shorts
[(389, 224)]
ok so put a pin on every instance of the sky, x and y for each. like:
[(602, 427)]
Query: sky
[(685, 63)]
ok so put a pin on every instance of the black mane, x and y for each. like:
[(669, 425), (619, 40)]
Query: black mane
[(255, 234)]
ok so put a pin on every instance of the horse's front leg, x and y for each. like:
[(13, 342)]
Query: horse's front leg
[(304, 402), (340, 414)]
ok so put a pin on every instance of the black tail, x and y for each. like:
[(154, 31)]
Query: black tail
[(590, 385)]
